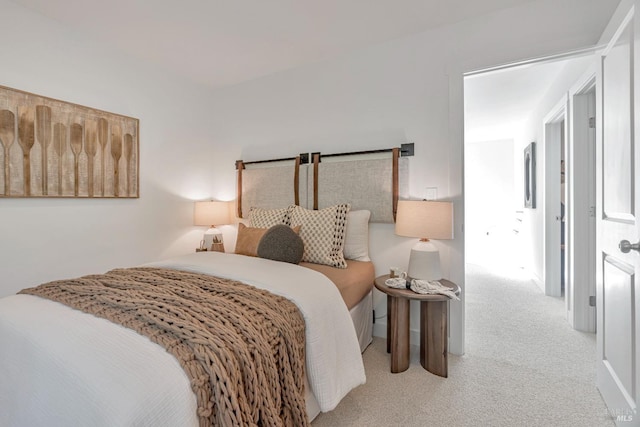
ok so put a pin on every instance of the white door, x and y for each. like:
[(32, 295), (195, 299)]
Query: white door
[(618, 201), (554, 133)]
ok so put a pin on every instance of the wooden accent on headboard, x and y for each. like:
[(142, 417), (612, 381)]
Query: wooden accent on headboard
[(240, 168), (316, 163), (396, 156), (296, 182)]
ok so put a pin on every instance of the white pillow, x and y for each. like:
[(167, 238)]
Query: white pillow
[(356, 242)]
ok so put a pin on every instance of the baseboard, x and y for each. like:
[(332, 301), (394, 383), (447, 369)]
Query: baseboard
[(380, 330), (538, 281)]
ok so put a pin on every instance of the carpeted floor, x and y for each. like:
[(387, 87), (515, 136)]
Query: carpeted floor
[(524, 366)]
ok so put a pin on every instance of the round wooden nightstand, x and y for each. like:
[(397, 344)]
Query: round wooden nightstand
[(434, 310)]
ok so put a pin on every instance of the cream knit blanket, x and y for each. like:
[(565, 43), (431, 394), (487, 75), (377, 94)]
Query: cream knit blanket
[(241, 347)]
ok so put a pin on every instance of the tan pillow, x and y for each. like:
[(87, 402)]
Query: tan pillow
[(249, 238)]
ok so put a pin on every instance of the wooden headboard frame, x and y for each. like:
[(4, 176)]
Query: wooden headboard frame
[(396, 184), (302, 168), (239, 168)]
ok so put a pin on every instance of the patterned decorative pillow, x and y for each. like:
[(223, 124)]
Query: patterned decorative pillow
[(322, 233), (266, 218)]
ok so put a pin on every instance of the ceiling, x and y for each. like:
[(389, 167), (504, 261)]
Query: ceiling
[(497, 103), (224, 42)]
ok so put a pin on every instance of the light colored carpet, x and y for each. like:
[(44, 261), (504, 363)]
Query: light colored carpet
[(524, 365)]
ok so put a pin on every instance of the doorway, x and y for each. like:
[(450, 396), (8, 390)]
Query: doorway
[(505, 111), (581, 206), (555, 136)]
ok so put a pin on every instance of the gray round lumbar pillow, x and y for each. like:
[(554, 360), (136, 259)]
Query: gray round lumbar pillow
[(281, 243)]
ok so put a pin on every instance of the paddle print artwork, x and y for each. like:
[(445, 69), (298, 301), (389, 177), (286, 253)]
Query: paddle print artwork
[(52, 148)]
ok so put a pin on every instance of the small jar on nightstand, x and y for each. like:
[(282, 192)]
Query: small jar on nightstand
[(218, 247)]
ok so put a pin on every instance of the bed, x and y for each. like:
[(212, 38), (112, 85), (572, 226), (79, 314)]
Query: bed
[(60, 366)]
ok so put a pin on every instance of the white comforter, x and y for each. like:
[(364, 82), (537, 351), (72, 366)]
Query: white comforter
[(62, 367)]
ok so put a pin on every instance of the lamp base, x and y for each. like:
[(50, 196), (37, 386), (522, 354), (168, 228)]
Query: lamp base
[(424, 262)]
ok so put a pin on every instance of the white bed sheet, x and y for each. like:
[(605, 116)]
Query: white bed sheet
[(362, 318), (62, 367), (363, 322)]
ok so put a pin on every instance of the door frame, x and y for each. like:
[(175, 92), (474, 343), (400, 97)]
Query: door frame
[(580, 173), (554, 123)]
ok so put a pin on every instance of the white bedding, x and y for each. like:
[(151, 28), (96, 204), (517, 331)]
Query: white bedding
[(62, 367)]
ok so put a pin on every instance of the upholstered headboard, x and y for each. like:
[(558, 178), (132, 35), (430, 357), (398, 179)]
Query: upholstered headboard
[(270, 184), (371, 180)]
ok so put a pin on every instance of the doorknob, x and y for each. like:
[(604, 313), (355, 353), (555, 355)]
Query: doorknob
[(626, 247)]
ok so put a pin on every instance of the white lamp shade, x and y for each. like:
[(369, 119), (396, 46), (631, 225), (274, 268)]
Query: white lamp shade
[(211, 213), (425, 219)]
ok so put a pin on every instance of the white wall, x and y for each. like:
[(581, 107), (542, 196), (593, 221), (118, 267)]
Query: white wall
[(533, 130), (45, 239), (409, 89), (490, 206)]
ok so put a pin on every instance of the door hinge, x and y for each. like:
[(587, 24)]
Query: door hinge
[(592, 301), (592, 122), (592, 211)]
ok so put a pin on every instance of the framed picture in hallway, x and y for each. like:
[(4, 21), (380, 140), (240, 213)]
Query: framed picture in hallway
[(530, 176)]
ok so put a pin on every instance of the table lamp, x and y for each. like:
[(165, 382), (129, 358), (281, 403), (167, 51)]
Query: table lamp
[(425, 220), (212, 213)]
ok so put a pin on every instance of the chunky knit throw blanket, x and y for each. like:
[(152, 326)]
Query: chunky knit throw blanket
[(241, 347)]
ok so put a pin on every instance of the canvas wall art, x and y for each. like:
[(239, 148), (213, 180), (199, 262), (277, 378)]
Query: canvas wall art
[(52, 148)]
